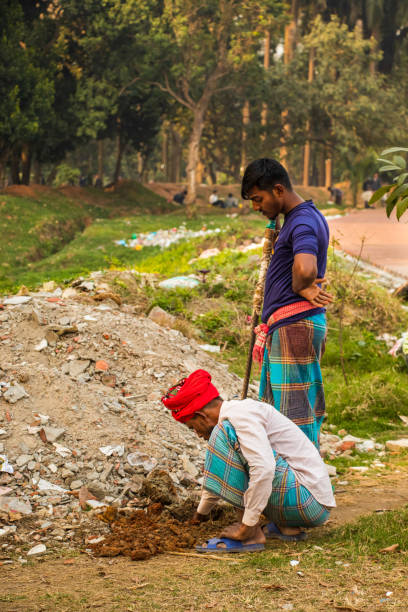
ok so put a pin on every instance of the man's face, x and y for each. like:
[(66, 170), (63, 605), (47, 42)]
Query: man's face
[(202, 425), (269, 203)]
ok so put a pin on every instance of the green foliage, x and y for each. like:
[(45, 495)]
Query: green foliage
[(398, 190), (67, 175)]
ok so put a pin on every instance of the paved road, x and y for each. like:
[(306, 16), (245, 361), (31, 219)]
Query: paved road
[(385, 240)]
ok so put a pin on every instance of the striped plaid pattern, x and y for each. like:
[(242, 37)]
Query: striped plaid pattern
[(226, 475), (291, 378)]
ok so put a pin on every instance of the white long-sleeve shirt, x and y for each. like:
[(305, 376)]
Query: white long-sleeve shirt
[(260, 429)]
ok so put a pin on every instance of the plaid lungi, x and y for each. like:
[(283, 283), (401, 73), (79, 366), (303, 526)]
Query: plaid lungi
[(291, 378), (226, 474)]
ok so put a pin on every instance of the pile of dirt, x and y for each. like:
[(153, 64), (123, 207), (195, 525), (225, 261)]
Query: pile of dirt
[(81, 421), (142, 535)]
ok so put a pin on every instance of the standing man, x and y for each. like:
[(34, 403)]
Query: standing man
[(293, 316)]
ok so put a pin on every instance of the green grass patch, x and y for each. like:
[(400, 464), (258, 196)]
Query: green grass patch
[(37, 222)]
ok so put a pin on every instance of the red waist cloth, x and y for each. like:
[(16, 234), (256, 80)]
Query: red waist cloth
[(288, 311), (262, 330)]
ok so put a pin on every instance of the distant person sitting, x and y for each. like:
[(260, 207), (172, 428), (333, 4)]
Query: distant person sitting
[(368, 191), (375, 183), (215, 201), (231, 202), (336, 194), (179, 197)]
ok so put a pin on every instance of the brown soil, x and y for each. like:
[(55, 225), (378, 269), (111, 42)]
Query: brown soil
[(145, 534), (28, 191), (184, 582)]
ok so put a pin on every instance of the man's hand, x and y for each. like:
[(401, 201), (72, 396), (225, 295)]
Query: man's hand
[(315, 294), (199, 518), (239, 531)]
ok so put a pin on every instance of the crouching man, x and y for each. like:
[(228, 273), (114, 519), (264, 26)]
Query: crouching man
[(257, 460)]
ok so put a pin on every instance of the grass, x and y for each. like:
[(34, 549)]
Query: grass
[(339, 568), (216, 312), (37, 222)]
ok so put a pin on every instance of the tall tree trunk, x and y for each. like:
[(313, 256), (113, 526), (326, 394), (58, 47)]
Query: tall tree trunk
[(193, 158), (246, 116), (389, 29), (15, 168), (52, 175), (37, 171), (25, 164), (289, 48), (165, 151), (267, 53), (328, 180), (121, 145), (306, 158), (101, 154)]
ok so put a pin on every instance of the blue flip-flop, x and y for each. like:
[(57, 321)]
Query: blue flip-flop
[(231, 546), (272, 531)]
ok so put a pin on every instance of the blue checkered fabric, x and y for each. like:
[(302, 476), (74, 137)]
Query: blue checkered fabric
[(291, 378), (226, 474)]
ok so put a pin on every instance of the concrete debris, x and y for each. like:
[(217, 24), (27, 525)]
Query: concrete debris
[(113, 450), (15, 393), (78, 367), (89, 416), (41, 345), (397, 445), (161, 317), (39, 549), (16, 300), (13, 504)]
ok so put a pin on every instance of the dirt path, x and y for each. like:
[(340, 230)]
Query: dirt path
[(385, 240), (184, 583)]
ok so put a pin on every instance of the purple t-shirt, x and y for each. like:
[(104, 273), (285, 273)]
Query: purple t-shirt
[(305, 230)]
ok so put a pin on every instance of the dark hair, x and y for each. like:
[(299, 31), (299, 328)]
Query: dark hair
[(264, 173)]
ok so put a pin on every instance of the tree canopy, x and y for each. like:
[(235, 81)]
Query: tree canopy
[(196, 89)]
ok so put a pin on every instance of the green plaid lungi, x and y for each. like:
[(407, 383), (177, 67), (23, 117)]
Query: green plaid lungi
[(291, 378), (226, 474)]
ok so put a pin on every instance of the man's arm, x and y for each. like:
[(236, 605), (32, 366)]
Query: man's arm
[(305, 281)]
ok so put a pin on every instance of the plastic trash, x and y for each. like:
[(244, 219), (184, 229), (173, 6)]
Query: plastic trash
[(163, 238), (294, 562), (141, 460), (210, 348), (109, 450), (5, 465), (184, 282)]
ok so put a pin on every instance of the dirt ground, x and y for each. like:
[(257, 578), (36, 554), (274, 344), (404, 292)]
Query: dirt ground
[(185, 581), (385, 240)]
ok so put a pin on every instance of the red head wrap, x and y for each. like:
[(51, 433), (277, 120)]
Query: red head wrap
[(190, 395)]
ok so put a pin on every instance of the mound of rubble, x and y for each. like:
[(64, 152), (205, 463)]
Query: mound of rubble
[(81, 422)]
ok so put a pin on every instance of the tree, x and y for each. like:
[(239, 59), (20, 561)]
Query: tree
[(26, 88), (205, 44), (344, 102)]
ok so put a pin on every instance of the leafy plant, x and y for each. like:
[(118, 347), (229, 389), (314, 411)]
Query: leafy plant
[(398, 189)]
